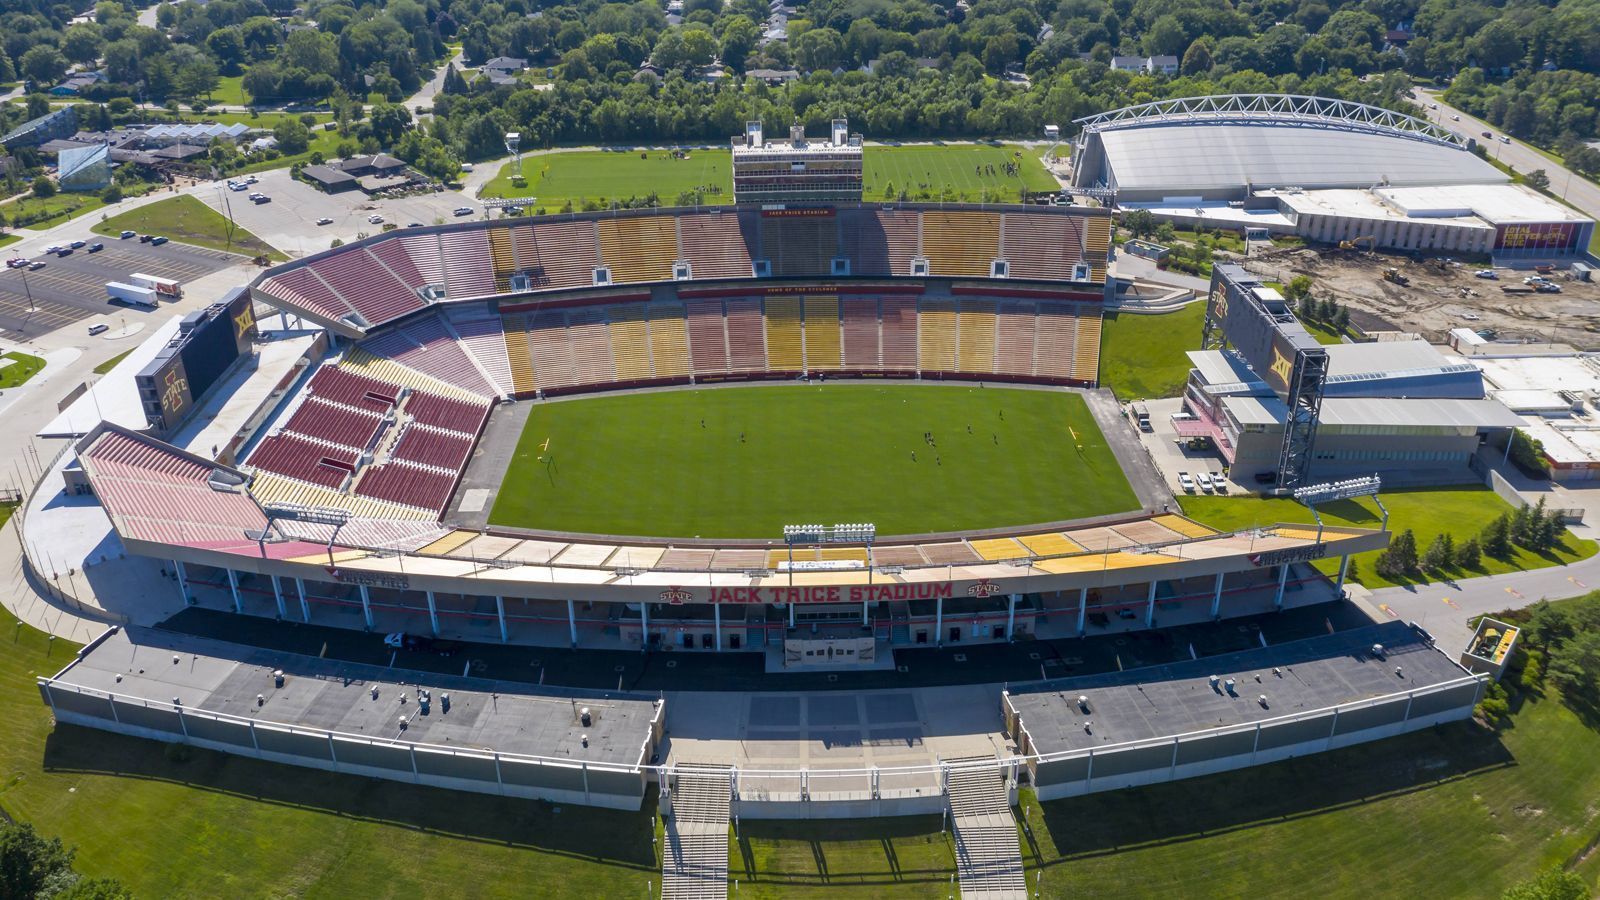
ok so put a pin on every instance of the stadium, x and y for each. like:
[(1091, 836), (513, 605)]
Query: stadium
[(1327, 170), (821, 435)]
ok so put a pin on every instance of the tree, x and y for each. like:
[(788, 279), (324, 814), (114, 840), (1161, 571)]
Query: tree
[(1298, 287), (1197, 59), (1468, 555), (1400, 560), (82, 43), (1538, 179), (1341, 320), (1440, 554), (43, 65), (29, 862), (292, 136), (44, 188), (388, 122), (1497, 537), (1139, 222), (94, 889), (197, 78), (1574, 666), (819, 48), (1555, 884)]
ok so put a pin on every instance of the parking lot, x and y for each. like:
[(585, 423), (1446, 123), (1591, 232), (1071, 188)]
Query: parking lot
[(73, 288), (289, 222)]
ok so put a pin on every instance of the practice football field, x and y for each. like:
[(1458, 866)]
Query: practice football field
[(953, 172), (743, 462)]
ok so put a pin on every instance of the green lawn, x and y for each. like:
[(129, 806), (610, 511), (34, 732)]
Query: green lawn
[(1142, 357), (111, 363), (186, 220), (926, 173), (229, 92), (57, 209), (1450, 812), (7, 239), (202, 825), (22, 368), (882, 859), (1462, 511), (830, 453)]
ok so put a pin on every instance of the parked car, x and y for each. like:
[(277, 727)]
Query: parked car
[(413, 224), (375, 219), (1185, 482), (64, 252), (1547, 287), (157, 241), (1455, 118), (96, 247), (98, 328), (1504, 139), (232, 186), (254, 194), (16, 262), (324, 221), (400, 640), (1488, 134), (1486, 273), (127, 234), (463, 210), (53, 248), (144, 238), (36, 266), (261, 198), (1205, 482), (78, 245), (1219, 483)]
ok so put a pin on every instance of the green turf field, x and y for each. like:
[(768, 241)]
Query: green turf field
[(644, 464), (1143, 357), (953, 172)]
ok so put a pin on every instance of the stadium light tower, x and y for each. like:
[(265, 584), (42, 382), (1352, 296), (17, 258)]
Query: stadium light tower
[(514, 147), (1348, 489)]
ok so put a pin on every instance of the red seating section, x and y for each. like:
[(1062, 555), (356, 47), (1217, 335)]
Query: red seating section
[(433, 447), (335, 423), (297, 457), (367, 286), (155, 492), (352, 389), (408, 483)]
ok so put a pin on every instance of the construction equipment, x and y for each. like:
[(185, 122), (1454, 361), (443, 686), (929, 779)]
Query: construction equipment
[(1393, 276), (1366, 241)]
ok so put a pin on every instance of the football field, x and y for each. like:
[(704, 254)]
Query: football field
[(743, 462), (955, 172)]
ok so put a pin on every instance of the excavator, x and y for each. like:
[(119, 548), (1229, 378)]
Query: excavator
[(1366, 242)]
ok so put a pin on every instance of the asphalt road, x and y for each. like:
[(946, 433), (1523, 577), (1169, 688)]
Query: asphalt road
[(1575, 189)]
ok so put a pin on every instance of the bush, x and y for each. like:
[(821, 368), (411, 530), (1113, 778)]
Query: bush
[(1494, 706), (43, 188), (1552, 885), (112, 194)]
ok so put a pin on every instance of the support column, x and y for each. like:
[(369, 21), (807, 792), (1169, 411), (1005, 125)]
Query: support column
[(791, 613), (1150, 607), (366, 606), (938, 622), (644, 618), (1344, 567), (716, 620), (864, 622), (1083, 609), (277, 594), (572, 622), (1283, 579), (500, 614), (183, 582), (1011, 617), (233, 585), (1216, 599), (433, 614), (305, 607)]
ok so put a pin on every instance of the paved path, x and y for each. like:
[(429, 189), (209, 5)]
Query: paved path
[(1444, 607), (1570, 186)]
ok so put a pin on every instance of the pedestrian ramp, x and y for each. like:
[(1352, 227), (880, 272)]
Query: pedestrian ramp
[(988, 857), (694, 862)]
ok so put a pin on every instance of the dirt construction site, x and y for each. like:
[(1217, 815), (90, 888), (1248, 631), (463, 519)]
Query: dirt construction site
[(1441, 293)]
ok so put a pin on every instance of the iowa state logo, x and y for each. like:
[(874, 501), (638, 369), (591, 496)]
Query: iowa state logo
[(984, 588), (676, 596)]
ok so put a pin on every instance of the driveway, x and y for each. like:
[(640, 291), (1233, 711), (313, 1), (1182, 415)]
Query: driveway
[(1574, 188)]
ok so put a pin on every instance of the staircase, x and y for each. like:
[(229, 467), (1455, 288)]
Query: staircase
[(988, 857), (694, 862)]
